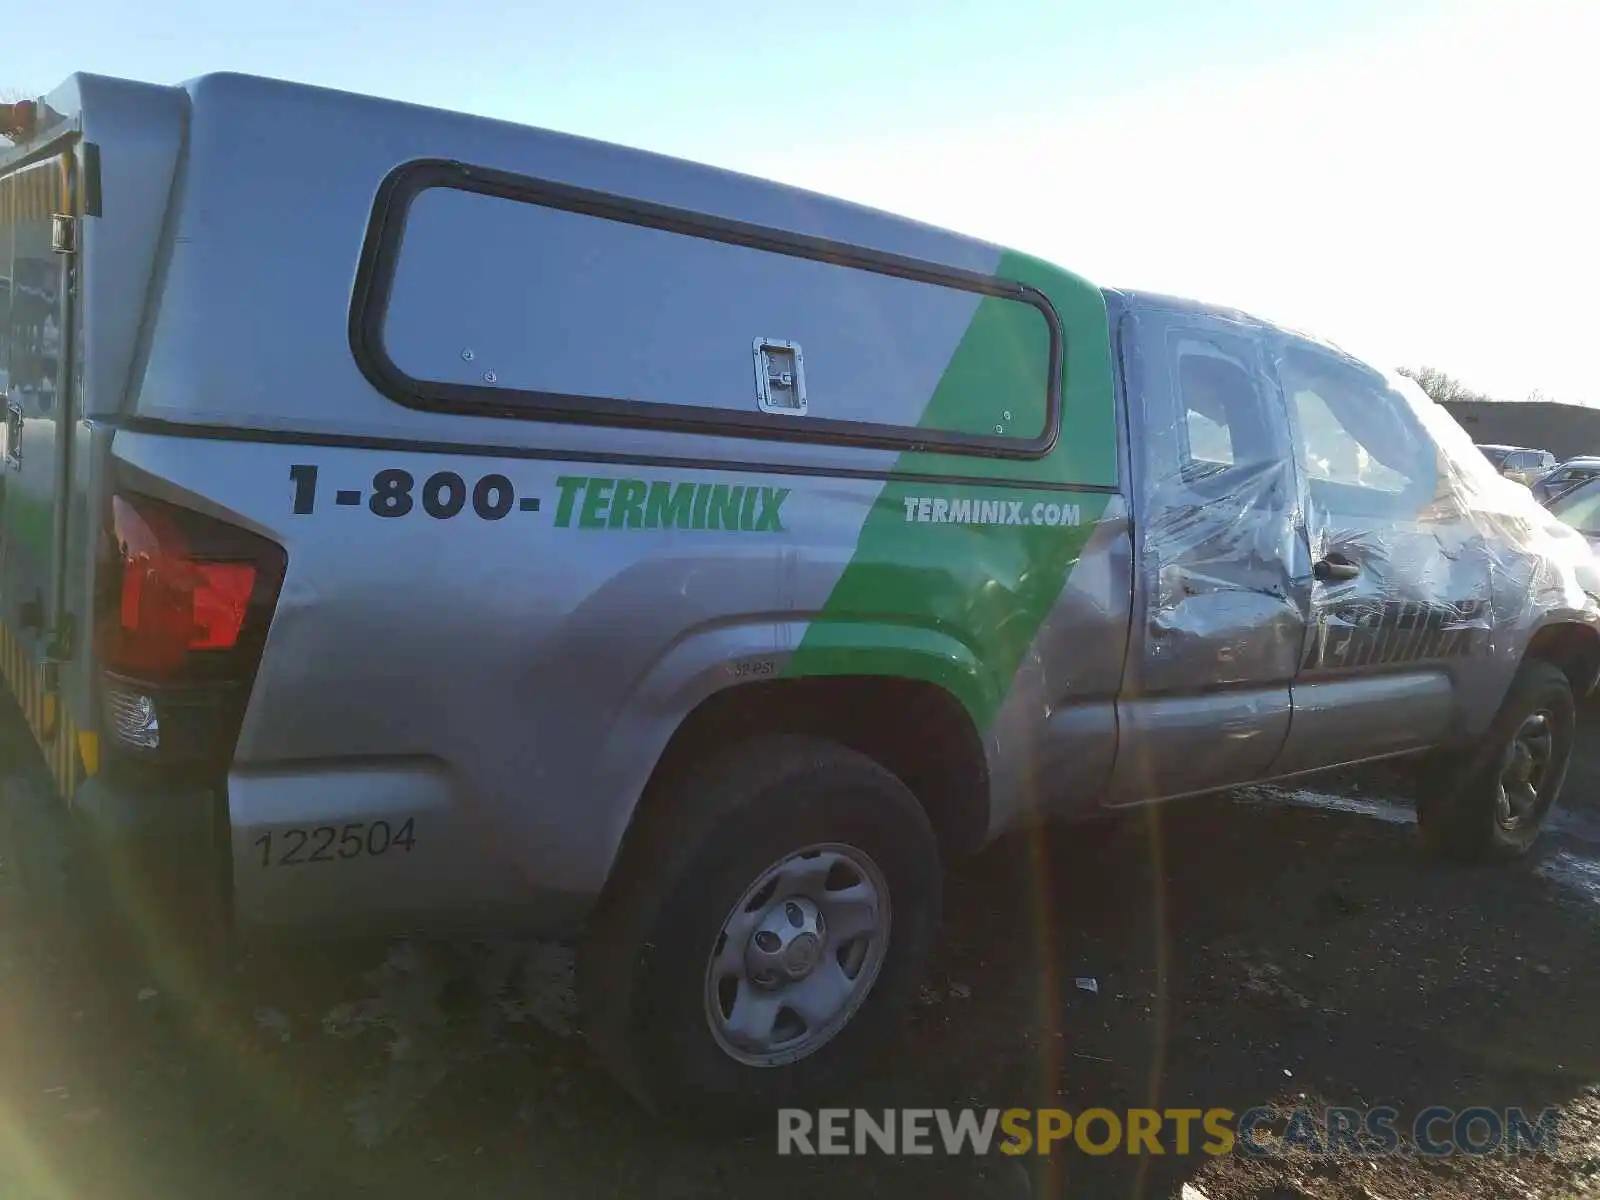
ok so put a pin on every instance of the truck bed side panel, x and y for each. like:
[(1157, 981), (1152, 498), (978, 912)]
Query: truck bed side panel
[(491, 626)]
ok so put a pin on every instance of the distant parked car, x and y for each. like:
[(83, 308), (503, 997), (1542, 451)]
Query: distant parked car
[(1521, 463), (1563, 477), (1579, 507)]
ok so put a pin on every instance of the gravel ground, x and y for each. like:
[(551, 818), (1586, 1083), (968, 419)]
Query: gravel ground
[(1271, 947)]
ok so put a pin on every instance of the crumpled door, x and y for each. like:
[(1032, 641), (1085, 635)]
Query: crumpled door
[(1401, 594), (1221, 604)]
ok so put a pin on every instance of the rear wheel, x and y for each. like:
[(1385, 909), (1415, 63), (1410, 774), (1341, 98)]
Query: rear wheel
[(1492, 807), (771, 916)]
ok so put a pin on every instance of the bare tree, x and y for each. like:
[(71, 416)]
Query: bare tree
[(1446, 389)]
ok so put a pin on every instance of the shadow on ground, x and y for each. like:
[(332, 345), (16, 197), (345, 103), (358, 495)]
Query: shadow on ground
[(1266, 948)]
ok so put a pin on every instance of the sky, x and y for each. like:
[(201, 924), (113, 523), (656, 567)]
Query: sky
[(1413, 179)]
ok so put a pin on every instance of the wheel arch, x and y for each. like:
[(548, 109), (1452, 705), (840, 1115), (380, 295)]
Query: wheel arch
[(1573, 647), (917, 730)]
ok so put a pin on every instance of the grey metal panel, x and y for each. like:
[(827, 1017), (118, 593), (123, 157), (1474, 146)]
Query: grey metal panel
[(1219, 586), (452, 861), (1478, 542), (134, 132), (1182, 745), (1052, 746), (36, 354), (705, 659), (538, 669), (1057, 768), (86, 495), (552, 301), (137, 130), (207, 361), (544, 667), (1340, 720), (1418, 604)]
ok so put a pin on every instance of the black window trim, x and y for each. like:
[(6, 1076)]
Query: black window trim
[(1240, 347), (380, 256)]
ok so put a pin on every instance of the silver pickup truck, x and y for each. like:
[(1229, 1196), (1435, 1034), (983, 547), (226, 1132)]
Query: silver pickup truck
[(417, 520)]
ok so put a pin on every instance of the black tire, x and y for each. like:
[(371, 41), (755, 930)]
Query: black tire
[(693, 852), (1459, 811)]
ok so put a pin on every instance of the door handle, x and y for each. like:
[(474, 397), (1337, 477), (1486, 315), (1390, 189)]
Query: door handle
[(1334, 566)]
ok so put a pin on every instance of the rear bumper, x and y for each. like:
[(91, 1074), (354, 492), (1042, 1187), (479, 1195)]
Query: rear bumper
[(176, 824), (157, 851), (332, 847), (152, 851)]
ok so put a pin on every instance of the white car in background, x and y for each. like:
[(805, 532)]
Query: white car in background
[(1520, 463)]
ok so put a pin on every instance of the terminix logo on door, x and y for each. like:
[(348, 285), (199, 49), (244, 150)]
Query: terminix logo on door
[(1366, 632)]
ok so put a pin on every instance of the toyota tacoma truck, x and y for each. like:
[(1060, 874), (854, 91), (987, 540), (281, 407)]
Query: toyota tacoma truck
[(413, 520)]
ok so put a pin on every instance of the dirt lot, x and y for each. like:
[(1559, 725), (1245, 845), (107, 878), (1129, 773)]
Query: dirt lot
[(1267, 948)]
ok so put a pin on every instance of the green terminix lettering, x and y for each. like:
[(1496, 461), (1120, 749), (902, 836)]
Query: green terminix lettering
[(637, 504), (670, 505), (724, 512), (570, 486), (627, 506), (770, 518), (988, 591), (595, 498)]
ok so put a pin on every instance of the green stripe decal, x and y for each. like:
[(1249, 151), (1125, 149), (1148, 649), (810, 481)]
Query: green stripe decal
[(949, 583), (28, 522)]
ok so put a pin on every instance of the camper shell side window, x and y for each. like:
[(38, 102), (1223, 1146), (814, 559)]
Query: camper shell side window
[(486, 293)]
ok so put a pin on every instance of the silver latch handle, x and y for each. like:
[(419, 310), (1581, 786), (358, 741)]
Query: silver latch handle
[(780, 377)]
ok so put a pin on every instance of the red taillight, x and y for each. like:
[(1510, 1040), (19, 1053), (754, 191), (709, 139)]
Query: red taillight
[(183, 604), (173, 597), (220, 602)]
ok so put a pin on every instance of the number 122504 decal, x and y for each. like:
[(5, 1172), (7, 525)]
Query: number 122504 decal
[(325, 843)]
